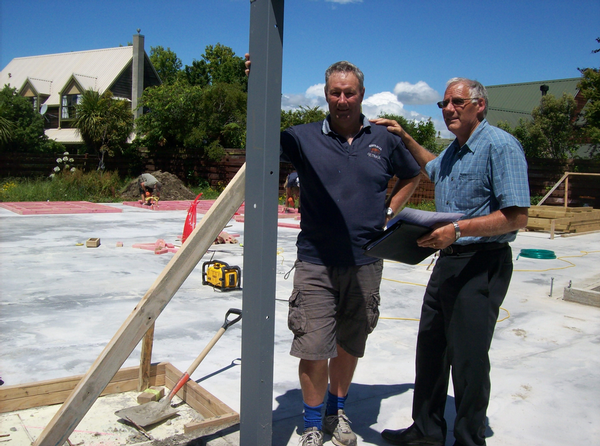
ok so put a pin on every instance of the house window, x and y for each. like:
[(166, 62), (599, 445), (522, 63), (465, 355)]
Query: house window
[(69, 101), (34, 102)]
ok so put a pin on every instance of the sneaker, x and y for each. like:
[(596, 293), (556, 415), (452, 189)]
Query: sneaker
[(311, 437), (338, 426)]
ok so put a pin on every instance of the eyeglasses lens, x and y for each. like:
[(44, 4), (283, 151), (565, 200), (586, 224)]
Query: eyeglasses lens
[(456, 102)]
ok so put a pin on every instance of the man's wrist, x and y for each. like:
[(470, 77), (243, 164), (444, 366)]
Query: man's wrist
[(456, 230)]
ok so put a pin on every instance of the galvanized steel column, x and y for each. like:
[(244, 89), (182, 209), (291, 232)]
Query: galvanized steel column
[(260, 227)]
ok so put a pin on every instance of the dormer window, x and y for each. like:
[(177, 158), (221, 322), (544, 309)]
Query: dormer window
[(68, 104)]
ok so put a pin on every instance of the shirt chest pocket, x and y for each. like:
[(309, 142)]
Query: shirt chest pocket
[(471, 187)]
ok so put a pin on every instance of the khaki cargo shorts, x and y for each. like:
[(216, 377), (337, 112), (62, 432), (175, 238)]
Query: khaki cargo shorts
[(333, 305)]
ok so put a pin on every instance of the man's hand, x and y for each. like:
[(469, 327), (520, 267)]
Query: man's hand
[(392, 126), (247, 63), (442, 236)]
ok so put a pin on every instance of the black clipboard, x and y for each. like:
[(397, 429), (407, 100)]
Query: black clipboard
[(399, 242)]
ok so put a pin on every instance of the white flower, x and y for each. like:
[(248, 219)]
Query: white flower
[(71, 160), (57, 169), (51, 175), (59, 160), (73, 169), (67, 166), (66, 153), (65, 158)]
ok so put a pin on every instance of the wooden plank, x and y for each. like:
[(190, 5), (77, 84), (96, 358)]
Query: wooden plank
[(545, 224), (553, 189), (56, 391), (196, 396), (221, 421), (144, 314), (581, 296)]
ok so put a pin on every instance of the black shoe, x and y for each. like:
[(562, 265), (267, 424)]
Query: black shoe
[(409, 437)]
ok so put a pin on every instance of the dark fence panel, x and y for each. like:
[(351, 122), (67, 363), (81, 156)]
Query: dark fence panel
[(543, 173)]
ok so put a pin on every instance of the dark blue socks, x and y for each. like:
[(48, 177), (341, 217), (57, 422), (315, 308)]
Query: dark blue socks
[(334, 403), (312, 416)]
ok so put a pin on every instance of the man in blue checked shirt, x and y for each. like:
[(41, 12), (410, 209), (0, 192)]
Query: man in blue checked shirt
[(483, 175)]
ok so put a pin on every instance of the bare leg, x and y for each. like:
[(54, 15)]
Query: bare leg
[(313, 380), (341, 371)]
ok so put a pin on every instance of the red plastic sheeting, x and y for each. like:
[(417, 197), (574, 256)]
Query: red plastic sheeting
[(57, 207)]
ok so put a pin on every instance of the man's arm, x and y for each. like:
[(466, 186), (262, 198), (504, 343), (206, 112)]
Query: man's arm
[(498, 222), (419, 153), (402, 191)]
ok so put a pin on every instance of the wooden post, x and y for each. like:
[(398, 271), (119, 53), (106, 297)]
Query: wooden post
[(146, 360), (567, 190), (144, 315)]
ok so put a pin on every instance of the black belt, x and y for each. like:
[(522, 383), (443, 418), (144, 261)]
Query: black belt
[(473, 247)]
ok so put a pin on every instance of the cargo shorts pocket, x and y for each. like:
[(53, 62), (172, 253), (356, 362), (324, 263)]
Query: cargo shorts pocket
[(373, 311), (296, 315)]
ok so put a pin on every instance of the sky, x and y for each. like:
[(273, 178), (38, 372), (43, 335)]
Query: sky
[(406, 49)]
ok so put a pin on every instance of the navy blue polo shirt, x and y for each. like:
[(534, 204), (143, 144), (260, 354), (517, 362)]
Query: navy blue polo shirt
[(343, 188)]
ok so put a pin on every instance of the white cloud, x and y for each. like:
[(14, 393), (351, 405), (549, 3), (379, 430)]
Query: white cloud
[(372, 106), (416, 94), (313, 97)]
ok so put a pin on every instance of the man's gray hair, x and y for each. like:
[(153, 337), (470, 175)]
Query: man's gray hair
[(476, 89), (345, 67)]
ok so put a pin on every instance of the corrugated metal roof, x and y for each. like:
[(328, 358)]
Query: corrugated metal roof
[(512, 102), (95, 68)]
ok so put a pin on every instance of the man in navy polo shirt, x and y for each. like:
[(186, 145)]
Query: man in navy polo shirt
[(344, 164)]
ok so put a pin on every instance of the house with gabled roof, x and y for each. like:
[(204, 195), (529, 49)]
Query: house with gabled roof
[(55, 82)]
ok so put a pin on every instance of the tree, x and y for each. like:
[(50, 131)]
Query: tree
[(423, 132), (166, 63), (191, 118), (219, 64), (7, 128), (302, 115), (553, 132), (589, 86), (222, 123), (21, 127), (104, 123)]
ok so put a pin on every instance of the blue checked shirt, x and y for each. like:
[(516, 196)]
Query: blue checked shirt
[(488, 173)]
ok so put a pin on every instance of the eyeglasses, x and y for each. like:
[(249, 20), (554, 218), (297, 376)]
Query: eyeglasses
[(456, 102)]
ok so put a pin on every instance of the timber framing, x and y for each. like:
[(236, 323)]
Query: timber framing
[(215, 414)]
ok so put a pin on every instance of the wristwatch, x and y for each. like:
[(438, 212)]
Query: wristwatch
[(456, 230), (389, 212)]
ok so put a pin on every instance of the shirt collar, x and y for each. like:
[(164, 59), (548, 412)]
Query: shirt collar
[(326, 128), (472, 139)]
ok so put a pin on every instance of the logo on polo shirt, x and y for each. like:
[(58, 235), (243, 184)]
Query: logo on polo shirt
[(374, 151)]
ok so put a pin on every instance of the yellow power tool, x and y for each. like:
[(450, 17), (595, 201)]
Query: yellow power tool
[(220, 275)]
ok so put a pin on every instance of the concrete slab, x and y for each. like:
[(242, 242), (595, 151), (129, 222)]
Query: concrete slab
[(61, 303)]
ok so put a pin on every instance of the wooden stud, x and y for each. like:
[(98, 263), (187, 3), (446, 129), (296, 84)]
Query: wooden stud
[(146, 360)]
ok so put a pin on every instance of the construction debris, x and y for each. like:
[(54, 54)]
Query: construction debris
[(92, 242)]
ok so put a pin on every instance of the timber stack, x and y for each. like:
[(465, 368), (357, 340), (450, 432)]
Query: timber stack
[(561, 219)]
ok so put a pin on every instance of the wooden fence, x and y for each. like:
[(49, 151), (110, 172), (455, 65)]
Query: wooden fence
[(543, 173)]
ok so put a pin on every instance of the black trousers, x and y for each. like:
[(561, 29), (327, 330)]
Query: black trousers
[(458, 317)]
